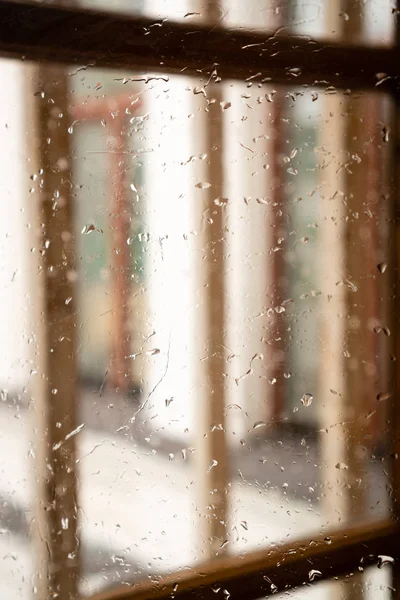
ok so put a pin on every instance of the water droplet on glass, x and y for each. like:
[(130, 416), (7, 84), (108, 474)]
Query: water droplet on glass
[(244, 525), (292, 171), (221, 201), (385, 134), (341, 466), (198, 90), (259, 424), (225, 105), (383, 560), (203, 185), (382, 267), (213, 463), (314, 574), (383, 396), (307, 399), (270, 96), (153, 352), (88, 228)]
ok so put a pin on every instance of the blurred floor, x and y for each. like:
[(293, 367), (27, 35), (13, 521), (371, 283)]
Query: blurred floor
[(138, 500)]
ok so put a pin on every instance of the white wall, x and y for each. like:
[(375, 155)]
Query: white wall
[(14, 232)]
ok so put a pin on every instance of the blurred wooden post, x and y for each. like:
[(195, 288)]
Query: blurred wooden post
[(278, 292), (357, 231), (374, 313), (212, 474), (120, 259), (55, 389), (356, 239), (331, 304), (340, 393)]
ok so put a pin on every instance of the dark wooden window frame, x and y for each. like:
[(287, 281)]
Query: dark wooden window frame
[(45, 33)]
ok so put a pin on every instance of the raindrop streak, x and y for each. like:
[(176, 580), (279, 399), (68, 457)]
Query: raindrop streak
[(307, 399), (69, 435)]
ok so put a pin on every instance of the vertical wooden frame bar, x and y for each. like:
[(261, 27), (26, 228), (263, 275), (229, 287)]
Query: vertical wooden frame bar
[(374, 180), (215, 307), (394, 243), (54, 396)]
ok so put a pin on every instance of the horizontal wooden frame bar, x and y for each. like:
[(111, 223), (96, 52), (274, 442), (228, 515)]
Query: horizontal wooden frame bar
[(263, 573), (34, 31)]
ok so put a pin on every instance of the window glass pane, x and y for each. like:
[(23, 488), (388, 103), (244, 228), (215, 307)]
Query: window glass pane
[(206, 342), (248, 383)]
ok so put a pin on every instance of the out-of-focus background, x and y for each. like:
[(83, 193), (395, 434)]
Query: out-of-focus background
[(231, 288)]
